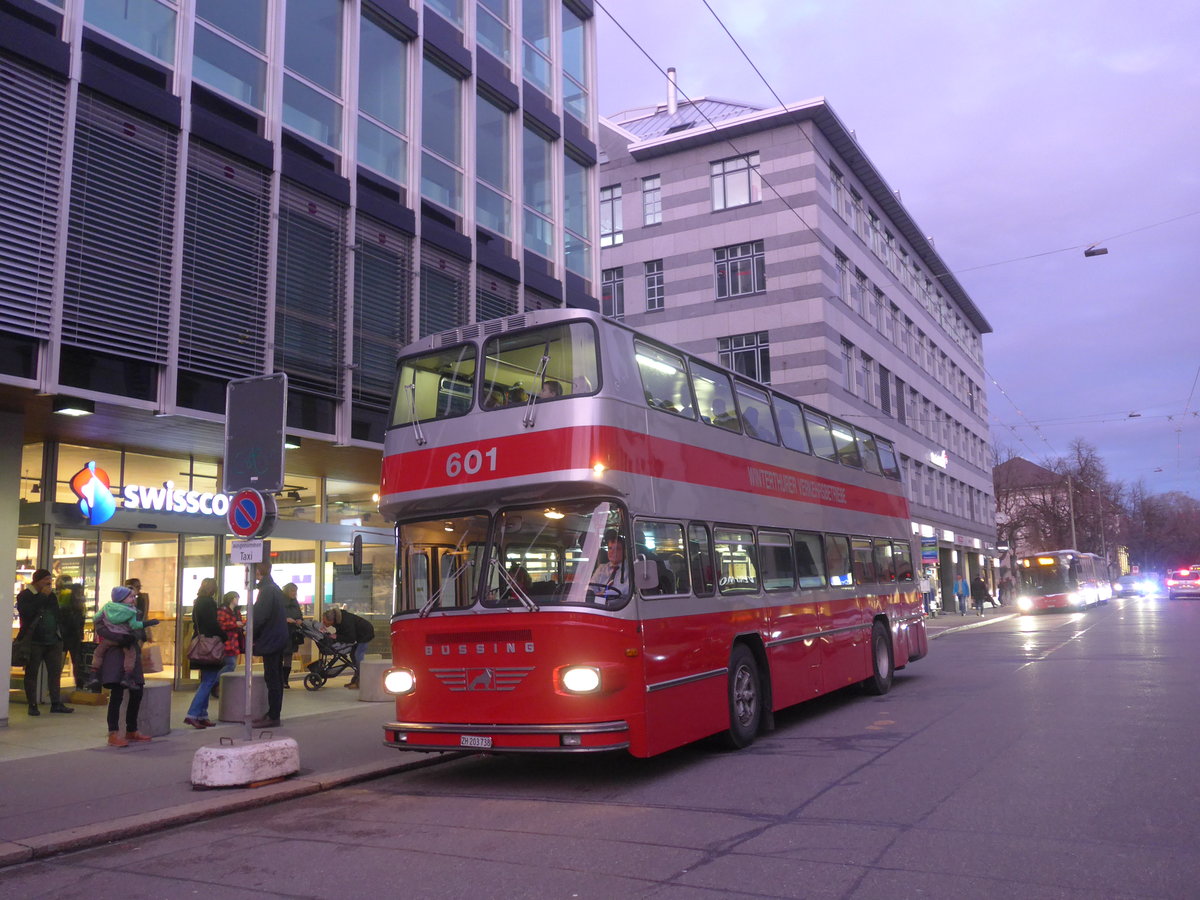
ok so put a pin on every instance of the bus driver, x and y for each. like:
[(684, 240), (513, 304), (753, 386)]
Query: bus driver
[(613, 574)]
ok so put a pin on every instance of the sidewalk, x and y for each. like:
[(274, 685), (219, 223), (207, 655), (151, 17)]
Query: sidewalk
[(950, 622), (62, 788)]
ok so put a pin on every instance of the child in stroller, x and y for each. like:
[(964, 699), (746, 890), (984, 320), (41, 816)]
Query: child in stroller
[(335, 658)]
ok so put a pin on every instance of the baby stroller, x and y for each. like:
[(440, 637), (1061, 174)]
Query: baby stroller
[(335, 657)]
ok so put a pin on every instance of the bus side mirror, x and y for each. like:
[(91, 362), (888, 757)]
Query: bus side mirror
[(356, 559), (645, 574)]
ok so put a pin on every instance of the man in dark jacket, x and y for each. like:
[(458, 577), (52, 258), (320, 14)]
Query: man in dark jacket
[(271, 641), (980, 593), (351, 629), (37, 607)]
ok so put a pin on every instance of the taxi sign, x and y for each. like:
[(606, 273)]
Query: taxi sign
[(251, 513)]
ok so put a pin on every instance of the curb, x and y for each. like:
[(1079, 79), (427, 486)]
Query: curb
[(216, 802), (970, 625)]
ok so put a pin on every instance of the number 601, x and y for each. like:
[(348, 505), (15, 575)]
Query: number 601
[(470, 463)]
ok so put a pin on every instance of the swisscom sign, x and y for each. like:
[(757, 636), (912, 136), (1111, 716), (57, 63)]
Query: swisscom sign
[(97, 502)]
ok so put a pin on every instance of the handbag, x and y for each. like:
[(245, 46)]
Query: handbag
[(206, 650), (22, 646)]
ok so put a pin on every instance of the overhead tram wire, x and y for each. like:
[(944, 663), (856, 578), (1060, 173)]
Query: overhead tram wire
[(954, 272), (820, 238)]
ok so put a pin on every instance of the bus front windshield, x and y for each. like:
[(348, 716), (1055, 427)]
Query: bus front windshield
[(1042, 579), (563, 554)]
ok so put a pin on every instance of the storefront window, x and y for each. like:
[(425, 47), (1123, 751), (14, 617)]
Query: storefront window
[(369, 594), (300, 499), (354, 503)]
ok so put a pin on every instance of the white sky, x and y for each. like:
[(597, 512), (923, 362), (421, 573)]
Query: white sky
[(1011, 128)]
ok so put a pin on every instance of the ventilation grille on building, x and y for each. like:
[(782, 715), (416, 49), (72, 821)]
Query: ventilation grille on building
[(32, 112), (536, 300), (309, 290), (382, 304), (117, 291), (443, 291), (223, 309)]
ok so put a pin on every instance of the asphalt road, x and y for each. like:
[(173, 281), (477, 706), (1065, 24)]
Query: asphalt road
[(1038, 757)]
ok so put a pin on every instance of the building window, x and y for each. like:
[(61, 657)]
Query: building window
[(576, 96), (655, 290), (611, 226), (735, 182), (837, 184), (885, 390), (848, 365), (539, 195), (652, 200), (441, 137), (382, 100), (747, 354), (843, 277), (741, 269), (901, 403), (146, 25), (866, 377), (536, 16), (493, 165), (230, 47), (612, 293), (312, 61), (450, 10), (493, 28), (577, 217)]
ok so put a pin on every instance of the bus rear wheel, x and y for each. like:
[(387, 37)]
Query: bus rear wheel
[(882, 665), (745, 699)]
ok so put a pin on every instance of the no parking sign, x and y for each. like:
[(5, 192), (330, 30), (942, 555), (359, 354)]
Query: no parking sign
[(252, 513)]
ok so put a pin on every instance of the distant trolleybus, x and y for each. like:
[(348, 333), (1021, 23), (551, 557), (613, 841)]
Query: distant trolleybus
[(605, 543), (1062, 579)]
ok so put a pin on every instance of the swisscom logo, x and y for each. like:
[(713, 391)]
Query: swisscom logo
[(91, 485), (97, 502)]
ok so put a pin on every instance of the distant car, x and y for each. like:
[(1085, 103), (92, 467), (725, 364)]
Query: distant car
[(1144, 585), (1183, 583)]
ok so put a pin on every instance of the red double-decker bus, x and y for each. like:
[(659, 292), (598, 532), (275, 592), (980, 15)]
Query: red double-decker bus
[(605, 543)]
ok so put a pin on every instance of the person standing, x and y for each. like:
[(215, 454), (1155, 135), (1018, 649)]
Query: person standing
[(205, 624), (112, 675), (72, 612), (926, 593), (37, 609), (269, 620), (142, 602), (351, 629), (962, 590), (295, 615), (979, 593)]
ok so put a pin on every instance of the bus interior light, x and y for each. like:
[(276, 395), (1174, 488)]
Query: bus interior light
[(553, 513), (1046, 560)]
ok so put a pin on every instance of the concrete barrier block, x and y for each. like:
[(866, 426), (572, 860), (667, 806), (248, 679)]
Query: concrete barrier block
[(370, 680), (237, 763), (154, 715), (233, 697)]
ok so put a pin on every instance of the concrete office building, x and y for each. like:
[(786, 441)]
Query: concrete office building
[(193, 193), (765, 239)]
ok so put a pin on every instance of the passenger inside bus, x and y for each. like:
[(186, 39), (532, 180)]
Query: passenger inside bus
[(551, 390)]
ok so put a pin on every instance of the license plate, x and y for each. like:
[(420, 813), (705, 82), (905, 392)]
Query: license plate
[(474, 740)]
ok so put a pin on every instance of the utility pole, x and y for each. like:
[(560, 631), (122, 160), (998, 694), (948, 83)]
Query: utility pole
[(1071, 507)]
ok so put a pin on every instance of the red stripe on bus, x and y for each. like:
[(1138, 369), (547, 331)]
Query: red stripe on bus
[(562, 449)]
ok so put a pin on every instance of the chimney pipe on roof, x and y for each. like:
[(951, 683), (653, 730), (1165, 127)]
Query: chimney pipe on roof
[(672, 95)]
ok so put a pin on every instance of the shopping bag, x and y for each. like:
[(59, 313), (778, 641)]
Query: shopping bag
[(151, 659), (206, 651)]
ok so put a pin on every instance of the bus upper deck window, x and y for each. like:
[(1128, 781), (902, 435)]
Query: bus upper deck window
[(546, 363), (437, 385)]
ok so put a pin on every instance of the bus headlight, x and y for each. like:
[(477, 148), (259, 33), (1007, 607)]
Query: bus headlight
[(1076, 598), (1024, 604), (581, 679), (399, 681)]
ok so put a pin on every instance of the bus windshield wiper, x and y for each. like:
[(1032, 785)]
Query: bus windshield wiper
[(411, 390), (539, 378), (437, 595), (518, 591)]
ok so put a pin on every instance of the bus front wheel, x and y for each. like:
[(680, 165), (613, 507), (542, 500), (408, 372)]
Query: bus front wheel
[(745, 699), (882, 664)]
